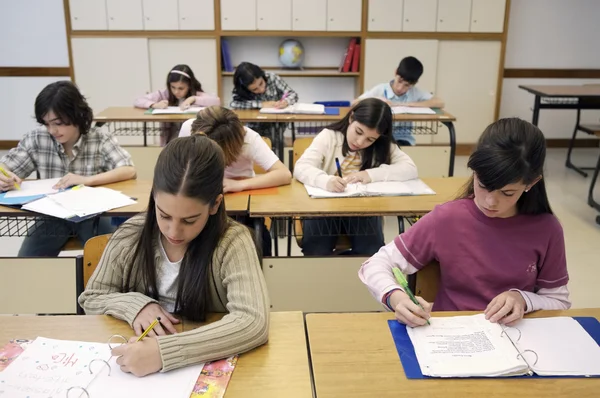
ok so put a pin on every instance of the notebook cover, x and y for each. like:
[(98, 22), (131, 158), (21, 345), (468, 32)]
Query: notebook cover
[(408, 357), (211, 383), (18, 201), (332, 111)]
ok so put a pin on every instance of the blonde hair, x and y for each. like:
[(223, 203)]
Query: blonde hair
[(224, 127)]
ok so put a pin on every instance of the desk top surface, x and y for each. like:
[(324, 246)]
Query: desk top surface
[(130, 114), (292, 200), (278, 369), (140, 190), (353, 355), (588, 90)]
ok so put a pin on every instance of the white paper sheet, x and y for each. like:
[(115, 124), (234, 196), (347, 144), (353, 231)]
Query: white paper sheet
[(34, 188), (383, 188), (412, 110), (174, 110)]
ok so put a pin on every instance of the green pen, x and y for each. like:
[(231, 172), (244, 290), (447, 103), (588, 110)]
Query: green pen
[(404, 283)]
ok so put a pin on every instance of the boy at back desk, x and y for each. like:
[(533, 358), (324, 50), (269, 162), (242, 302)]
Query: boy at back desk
[(402, 90)]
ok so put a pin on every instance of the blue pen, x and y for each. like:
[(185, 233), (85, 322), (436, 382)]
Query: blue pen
[(339, 169), (385, 93)]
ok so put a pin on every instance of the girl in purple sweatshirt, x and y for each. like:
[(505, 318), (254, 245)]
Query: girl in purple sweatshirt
[(183, 90), (500, 248)]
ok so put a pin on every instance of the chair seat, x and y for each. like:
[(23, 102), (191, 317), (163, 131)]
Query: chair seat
[(73, 244), (593, 129)]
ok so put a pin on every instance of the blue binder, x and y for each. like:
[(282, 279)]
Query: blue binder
[(408, 357), (332, 111)]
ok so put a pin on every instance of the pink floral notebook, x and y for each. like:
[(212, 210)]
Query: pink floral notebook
[(211, 383)]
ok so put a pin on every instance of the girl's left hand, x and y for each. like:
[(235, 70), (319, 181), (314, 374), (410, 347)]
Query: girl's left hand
[(70, 180), (506, 308), (187, 103), (230, 185), (281, 104), (360, 176), (139, 358)]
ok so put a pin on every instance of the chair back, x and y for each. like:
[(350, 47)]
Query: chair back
[(92, 252), (428, 279)]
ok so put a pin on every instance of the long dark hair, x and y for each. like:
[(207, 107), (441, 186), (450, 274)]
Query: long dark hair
[(375, 114), (244, 75), (510, 151), (64, 99), (174, 77), (193, 167)]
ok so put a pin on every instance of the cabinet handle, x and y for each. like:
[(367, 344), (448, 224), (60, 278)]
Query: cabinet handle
[(441, 20), (75, 18), (112, 19), (147, 18), (406, 19), (474, 21), (331, 19), (183, 19), (225, 18)]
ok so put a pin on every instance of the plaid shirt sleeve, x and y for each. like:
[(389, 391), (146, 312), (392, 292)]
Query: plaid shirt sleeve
[(238, 103), (114, 155), (283, 87), (19, 159)]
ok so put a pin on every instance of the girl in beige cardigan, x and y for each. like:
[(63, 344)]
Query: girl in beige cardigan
[(185, 257)]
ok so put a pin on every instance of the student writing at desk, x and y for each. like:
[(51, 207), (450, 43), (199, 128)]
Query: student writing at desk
[(402, 90), (500, 248), (66, 146), (183, 256), (243, 148), (362, 141)]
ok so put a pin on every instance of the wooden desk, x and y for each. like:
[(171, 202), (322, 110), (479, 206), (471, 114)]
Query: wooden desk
[(130, 114), (292, 200), (278, 369), (353, 355)]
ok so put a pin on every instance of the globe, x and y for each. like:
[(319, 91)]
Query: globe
[(291, 54)]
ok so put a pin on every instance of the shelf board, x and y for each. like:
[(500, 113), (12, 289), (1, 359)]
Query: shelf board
[(305, 73), (290, 33)]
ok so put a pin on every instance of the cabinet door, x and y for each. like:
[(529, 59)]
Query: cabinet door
[(487, 16), (88, 14), (160, 15), (238, 14), (469, 93), (309, 15), (104, 81), (344, 15), (274, 14), (419, 15), (196, 14), (124, 14), (385, 15), (453, 15)]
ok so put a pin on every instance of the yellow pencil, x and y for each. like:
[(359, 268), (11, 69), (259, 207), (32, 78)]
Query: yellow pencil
[(148, 329), (6, 174)]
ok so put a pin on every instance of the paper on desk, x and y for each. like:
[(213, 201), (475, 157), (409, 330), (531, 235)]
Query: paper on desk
[(87, 201), (173, 110), (412, 110), (34, 188)]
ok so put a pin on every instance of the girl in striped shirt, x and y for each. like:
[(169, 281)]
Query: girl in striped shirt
[(363, 143)]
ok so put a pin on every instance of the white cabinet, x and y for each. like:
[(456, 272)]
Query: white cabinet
[(238, 14), (488, 16), (88, 14), (344, 15), (106, 82), (309, 15), (385, 15), (419, 15), (453, 15), (274, 14), (124, 14), (196, 14), (160, 15)]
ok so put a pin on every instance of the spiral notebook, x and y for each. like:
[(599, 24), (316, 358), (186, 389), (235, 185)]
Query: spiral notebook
[(50, 368), (383, 188), (470, 346)]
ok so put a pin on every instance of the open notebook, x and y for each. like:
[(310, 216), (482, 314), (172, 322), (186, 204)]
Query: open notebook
[(471, 346), (174, 110), (30, 190), (412, 110), (385, 188), (48, 368), (314, 109)]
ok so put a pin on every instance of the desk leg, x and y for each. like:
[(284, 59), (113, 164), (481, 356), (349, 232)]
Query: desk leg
[(258, 228), (275, 236), (289, 236), (145, 131), (536, 110), (591, 200), (452, 134), (568, 162)]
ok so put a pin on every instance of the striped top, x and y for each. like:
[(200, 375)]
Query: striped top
[(351, 163), (237, 287)]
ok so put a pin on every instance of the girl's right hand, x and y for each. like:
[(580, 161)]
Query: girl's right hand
[(269, 104), (160, 104), (148, 314), (336, 184), (408, 312), (8, 183)]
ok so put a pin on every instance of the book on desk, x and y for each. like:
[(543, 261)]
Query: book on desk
[(471, 346), (414, 187), (303, 109)]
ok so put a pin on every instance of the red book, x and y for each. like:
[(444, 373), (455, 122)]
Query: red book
[(349, 55), (356, 58)]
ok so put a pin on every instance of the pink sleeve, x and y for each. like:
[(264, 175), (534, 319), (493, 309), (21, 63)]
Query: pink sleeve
[(205, 99), (147, 100), (553, 266), (547, 299), (417, 244)]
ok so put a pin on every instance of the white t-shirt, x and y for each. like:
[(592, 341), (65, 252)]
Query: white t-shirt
[(166, 280), (255, 150)]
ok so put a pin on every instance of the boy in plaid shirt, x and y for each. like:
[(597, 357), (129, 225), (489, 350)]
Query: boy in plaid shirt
[(66, 147)]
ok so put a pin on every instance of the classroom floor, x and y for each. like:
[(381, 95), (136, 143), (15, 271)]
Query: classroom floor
[(568, 197)]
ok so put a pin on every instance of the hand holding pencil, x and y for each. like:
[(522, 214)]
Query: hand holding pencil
[(8, 180), (410, 309)]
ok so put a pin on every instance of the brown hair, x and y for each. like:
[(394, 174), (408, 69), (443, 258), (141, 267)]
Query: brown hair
[(224, 127)]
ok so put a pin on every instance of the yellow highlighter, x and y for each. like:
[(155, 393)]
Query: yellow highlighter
[(6, 174)]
